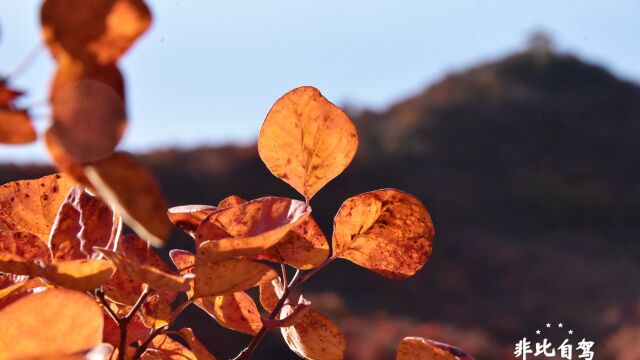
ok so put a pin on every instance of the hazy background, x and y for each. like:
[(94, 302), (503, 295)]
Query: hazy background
[(526, 155), (208, 71)]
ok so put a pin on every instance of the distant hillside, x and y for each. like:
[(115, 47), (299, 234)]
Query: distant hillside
[(529, 167)]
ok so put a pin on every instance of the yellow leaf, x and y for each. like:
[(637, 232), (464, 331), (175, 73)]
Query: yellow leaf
[(416, 348), (57, 321), (387, 231), (229, 276), (84, 275), (247, 229), (314, 336), (307, 141)]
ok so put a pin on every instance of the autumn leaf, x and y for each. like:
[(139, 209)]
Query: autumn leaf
[(21, 286), (270, 293), (31, 205), (24, 244), (247, 229), (156, 312), (108, 28), (157, 279), (63, 161), (7, 94), (188, 217), (125, 184), (416, 348), (163, 347), (84, 275), (136, 329), (229, 276), (16, 127), (88, 110), (292, 317), (231, 201), (314, 336), (236, 311), (30, 329), (196, 346), (387, 231), (184, 261), (307, 141)]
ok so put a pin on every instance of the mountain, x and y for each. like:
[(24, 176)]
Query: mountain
[(529, 168)]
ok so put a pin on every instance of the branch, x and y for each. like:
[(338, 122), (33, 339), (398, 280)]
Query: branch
[(143, 347)]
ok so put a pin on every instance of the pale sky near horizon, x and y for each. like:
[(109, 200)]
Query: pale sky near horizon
[(207, 72)]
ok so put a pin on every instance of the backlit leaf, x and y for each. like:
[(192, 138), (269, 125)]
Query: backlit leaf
[(416, 348), (56, 321), (81, 275), (108, 27), (387, 231), (63, 161), (88, 110), (188, 217), (25, 245), (125, 184), (31, 205), (229, 276), (270, 293), (184, 261), (236, 311), (16, 127), (136, 330), (7, 94), (156, 312), (247, 229), (231, 201), (314, 336), (163, 347), (157, 279), (196, 346), (306, 140), (293, 315)]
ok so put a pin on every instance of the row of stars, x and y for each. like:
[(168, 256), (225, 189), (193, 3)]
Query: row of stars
[(559, 325)]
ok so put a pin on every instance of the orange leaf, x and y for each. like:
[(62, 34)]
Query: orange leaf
[(236, 311), (387, 231), (25, 245), (63, 161), (157, 279), (125, 184), (7, 94), (270, 293), (81, 275), (136, 330), (45, 324), (188, 217), (416, 348), (88, 110), (108, 27), (229, 276), (19, 289), (16, 127), (31, 205), (163, 347), (314, 336), (184, 261), (306, 140), (156, 312), (247, 229), (231, 201)]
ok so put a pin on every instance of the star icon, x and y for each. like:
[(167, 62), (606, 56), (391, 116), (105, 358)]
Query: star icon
[(538, 332), (548, 325), (570, 332), (560, 325)]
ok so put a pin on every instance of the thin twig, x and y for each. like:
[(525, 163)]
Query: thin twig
[(24, 65), (105, 305), (283, 268), (141, 349)]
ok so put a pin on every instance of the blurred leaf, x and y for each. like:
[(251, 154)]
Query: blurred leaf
[(108, 28), (236, 311), (184, 261), (314, 336), (293, 317), (88, 110), (31, 329), (163, 347), (229, 276), (157, 279), (136, 329), (306, 140), (247, 229), (196, 346), (16, 127), (416, 348), (125, 184), (156, 312), (387, 231), (31, 205), (188, 217)]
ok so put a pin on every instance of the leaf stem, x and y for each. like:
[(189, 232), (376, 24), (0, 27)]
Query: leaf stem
[(298, 278), (141, 349)]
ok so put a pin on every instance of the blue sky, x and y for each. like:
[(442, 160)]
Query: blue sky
[(208, 71)]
